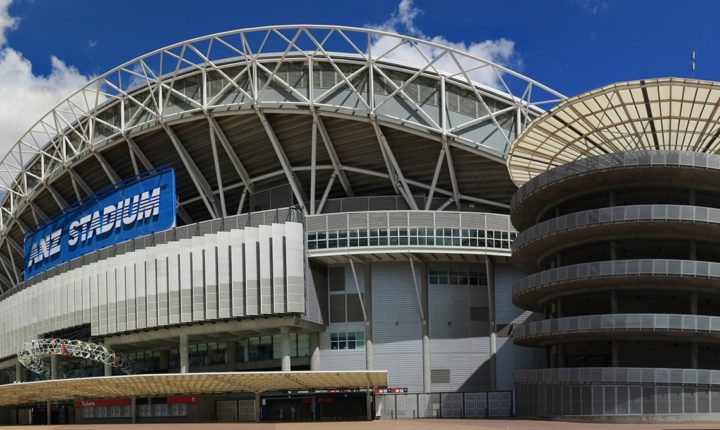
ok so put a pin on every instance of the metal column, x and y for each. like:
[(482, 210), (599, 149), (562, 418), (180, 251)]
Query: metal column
[(53, 366), (490, 268), (369, 349), (285, 348), (184, 354), (231, 356), (314, 351)]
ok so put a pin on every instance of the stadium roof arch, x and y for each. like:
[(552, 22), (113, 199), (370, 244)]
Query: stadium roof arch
[(326, 111)]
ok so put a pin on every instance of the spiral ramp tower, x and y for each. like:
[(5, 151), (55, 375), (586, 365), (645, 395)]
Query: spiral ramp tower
[(618, 214)]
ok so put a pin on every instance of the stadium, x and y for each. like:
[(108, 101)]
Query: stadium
[(297, 223)]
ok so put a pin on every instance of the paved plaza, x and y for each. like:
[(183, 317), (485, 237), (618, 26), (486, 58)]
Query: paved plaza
[(391, 425)]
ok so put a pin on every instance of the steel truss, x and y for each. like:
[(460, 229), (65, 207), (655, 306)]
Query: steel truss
[(31, 354), (197, 76)]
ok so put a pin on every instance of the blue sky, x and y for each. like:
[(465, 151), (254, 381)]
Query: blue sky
[(51, 47)]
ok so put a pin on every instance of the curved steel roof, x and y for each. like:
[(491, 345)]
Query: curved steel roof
[(655, 114), (242, 111)]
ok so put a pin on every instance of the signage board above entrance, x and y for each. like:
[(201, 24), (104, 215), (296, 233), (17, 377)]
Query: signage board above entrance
[(143, 206)]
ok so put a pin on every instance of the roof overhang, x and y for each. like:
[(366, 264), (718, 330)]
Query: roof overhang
[(654, 114), (188, 383)]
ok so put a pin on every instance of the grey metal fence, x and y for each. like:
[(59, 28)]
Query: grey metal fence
[(617, 215), (690, 324), (492, 404), (618, 375), (617, 268), (616, 161)]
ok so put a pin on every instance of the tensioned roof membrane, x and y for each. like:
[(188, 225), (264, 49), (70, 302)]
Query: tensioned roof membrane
[(654, 114), (186, 383)]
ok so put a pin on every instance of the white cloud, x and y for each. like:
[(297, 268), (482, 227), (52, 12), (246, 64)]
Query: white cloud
[(7, 22), (25, 96), (593, 7), (500, 51)]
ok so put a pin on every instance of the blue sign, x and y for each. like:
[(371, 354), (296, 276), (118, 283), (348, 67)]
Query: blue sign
[(144, 206)]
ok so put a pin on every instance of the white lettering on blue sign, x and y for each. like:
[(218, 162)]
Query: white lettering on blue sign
[(125, 212), (143, 207)]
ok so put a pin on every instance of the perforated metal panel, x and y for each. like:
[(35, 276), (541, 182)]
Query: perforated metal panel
[(277, 259), (199, 278), (223, 275), (265, 265)]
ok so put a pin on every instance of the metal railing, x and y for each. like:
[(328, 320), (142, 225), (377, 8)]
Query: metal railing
[(689, 324), (618, 215), (599, 163), (662, 268)]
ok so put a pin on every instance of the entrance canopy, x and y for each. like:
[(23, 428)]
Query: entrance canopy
[(186, 383)]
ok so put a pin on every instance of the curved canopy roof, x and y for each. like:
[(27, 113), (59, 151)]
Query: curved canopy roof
[(183, 383), (656, 114)]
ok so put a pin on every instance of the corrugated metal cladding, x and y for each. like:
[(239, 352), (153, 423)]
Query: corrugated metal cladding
[(459, 336), (511, 357), (241, 272), (505, 312), (341, 281), (397, 327)]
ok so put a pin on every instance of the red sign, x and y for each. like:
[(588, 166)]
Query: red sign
[(391, 390), (101, 402), (188, 400)]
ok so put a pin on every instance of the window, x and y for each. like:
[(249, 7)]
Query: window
[(270, 347), (417, 236), (439, 275), (347, 340)]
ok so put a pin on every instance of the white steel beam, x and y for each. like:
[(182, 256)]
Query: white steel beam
[(326, 193), (242, 201), (225, 143), (291, 177), (218, 174), (35, 208), (334, 159), (147, 165), (135, 149), (198, 179), (436, 175), (313, 161), (451, 171), (80, 182), (109, 171), (393, 163), (59, 199), (357, 288), (10, 274), (417, 288)]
